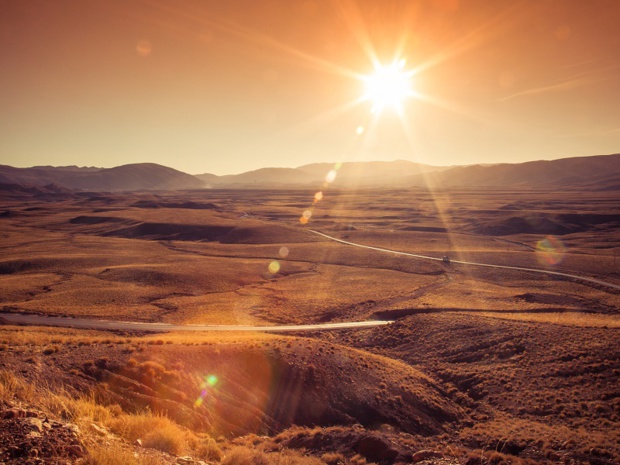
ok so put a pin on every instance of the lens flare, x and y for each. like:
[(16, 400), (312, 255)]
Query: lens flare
[(274, 267), (208, 382), (144, 48), (360, 130), (283, 252), (318, 196), (550, 251)]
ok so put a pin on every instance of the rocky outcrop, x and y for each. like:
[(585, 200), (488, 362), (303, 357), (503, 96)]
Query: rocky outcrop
[(29, 437)]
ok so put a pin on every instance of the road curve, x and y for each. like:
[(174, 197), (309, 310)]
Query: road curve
[(462, 262), (86, 323)]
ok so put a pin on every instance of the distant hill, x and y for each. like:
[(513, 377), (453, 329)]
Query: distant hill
[(264, 176), (48, 192), (373, 173), (601, 172), (138, 176)]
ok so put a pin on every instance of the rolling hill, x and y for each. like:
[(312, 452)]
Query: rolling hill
[(373, 173), (137, 176), (601, 172), (594, 173)]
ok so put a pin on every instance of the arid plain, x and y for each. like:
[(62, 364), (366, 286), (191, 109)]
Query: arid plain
[(481, 365)]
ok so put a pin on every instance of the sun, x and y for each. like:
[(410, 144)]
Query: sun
[(389, 86)]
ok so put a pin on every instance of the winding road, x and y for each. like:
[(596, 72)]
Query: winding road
[(486, 265), (86, 323), (111, 325)]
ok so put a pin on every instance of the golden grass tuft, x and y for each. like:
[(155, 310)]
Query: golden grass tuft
[(333, 458), (113, 454), (14, 388), (241, 455), (80, 409), (155, 431), (169, 439), (206, 448)]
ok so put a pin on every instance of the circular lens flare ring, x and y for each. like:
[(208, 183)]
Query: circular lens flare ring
[(550, 251)]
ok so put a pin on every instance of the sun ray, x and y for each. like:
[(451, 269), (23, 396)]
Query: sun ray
[(253, 36), (350, 12)]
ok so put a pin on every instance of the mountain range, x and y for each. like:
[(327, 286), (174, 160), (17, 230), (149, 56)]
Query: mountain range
[(600, 172)]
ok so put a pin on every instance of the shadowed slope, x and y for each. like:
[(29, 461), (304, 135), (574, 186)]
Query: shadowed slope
[(262, 384)]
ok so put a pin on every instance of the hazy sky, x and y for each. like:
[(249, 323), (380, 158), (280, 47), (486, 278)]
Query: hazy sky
[(226, 86)]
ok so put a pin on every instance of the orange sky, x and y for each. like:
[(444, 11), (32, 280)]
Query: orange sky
[(229, 86)]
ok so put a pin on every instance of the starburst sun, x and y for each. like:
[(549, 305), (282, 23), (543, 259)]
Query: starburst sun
[(389, 86)]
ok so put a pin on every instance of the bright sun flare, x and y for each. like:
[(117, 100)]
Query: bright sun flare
[(389, 86)]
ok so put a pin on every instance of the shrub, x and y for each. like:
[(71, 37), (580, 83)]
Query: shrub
[(156, 431), (102, 362), (50, 350), (113, 454), (245, 456), (333, 458), (169, 439), (74, 409), (357, 460), (12, 387), (209, 450)]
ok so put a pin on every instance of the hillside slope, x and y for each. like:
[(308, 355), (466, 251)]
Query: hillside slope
[(599, 172), (137, 176)]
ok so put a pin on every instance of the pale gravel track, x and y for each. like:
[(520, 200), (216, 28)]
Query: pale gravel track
[(111, 325), (486, 265), (85, 323)]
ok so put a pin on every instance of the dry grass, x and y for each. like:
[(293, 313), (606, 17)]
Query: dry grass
[(504, 434), (155, 431), (45, 336), (80, 410), (583, 320), (13, 387), (241, 455), (114, 454), (508, 363), (206, 448), (333, 458)]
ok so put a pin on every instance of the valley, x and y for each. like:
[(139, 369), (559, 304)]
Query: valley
[(480, 364)]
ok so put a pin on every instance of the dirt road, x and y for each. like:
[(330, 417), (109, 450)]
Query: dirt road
[(487, 265), (85, 323)]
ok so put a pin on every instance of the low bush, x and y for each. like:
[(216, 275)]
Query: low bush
[(156, 431), (113, 454), (12, 387), (333, 458), (207, 449), (246, 456), (169, 439)]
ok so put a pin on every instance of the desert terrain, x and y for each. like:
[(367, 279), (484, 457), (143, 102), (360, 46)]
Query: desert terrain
[(479, 365)]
